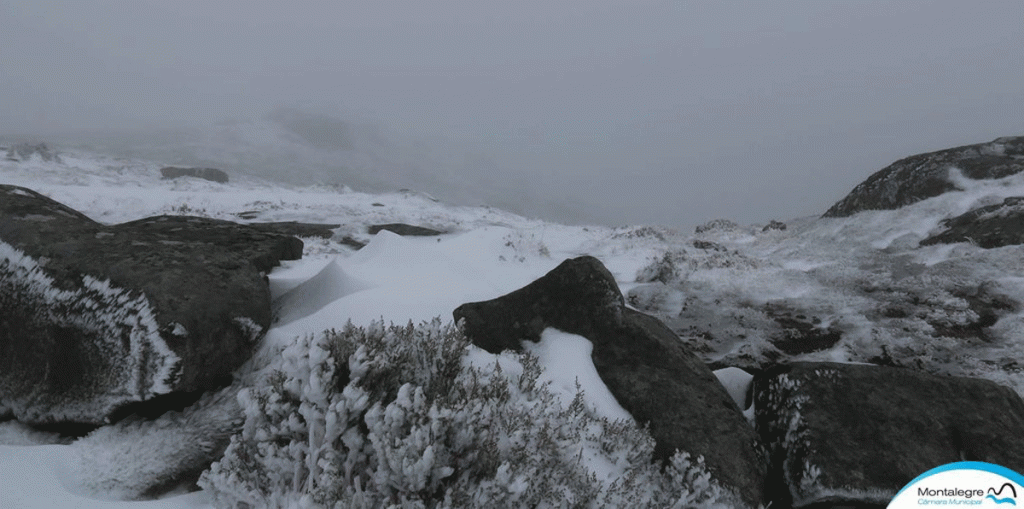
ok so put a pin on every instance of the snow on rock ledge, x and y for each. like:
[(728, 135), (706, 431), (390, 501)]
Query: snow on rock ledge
[(94, 317)]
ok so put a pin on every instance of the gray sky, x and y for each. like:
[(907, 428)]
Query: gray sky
[(670, 112)]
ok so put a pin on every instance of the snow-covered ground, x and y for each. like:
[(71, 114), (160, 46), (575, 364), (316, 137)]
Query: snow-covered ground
[(715, 293)]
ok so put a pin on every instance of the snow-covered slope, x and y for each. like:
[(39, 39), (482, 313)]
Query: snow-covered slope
[(734, 294)]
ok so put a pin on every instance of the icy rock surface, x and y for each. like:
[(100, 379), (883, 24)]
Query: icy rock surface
[(988, 227), (846, 433), (915, 178), (96, 317)]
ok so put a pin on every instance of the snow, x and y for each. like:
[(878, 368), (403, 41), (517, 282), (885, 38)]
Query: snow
[(566, 361), (817, 264), (36, 477)]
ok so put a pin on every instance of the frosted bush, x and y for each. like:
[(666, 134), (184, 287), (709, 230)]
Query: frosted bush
[(393, 417)]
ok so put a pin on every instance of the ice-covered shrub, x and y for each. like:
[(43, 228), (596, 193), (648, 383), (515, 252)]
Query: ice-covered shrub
[(396, 417), (522, 246)]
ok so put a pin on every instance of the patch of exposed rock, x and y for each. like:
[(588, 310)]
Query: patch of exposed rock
[(988, 227), (405, 230), (642, 362), (922, 176), (96, 317), (211, 174)]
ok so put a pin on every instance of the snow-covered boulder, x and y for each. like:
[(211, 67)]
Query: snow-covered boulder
[(992, 226), (643, 363), (922, 176), (211, 174), (95, 317), (855, 434)]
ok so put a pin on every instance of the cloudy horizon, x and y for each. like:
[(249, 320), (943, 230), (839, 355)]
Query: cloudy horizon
[(661, 112)]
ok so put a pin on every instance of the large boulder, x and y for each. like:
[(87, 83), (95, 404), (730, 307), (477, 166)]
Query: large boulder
[(993, 226), (211, 174), (94, 318), (923, 176), (854, 435), (641, 361)]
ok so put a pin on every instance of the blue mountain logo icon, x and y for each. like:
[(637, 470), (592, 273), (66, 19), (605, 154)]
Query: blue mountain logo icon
[(993, 494)]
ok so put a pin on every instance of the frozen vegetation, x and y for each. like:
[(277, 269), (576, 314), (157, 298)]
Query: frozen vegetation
[(363, 394)]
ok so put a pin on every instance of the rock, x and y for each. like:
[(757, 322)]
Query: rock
[(641, 361), (988, 227), (707, 245), (923, 176), (211, 174), (95, 318), (25, 151), (717, 225), (352, 243), (845, 434), (799, 333), (404, 230), (297, 229), (774, 225)]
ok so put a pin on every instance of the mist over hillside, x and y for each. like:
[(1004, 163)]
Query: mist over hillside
[(301, 146)]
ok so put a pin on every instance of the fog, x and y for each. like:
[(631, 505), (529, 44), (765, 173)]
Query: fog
[(661, 112)]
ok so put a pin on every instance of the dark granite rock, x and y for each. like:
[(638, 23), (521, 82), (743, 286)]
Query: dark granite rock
[(641, 361), (845, 434), (95, 317), (923, 176), (297, 229), (405, 230), (774, 225), (211, 174), (989, 227)]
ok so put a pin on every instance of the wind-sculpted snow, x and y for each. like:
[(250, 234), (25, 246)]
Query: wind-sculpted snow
[(127, 359)]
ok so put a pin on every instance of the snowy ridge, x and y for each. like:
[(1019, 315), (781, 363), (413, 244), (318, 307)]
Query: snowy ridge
[(147, 368)]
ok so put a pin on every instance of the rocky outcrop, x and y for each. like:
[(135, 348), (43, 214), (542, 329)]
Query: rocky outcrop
[(717, 225), (843, 434), (25, 151), (211, 174), (405, 230), (926, 175), (774, 225), (95, 317), (988, 227), (641, 361)]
